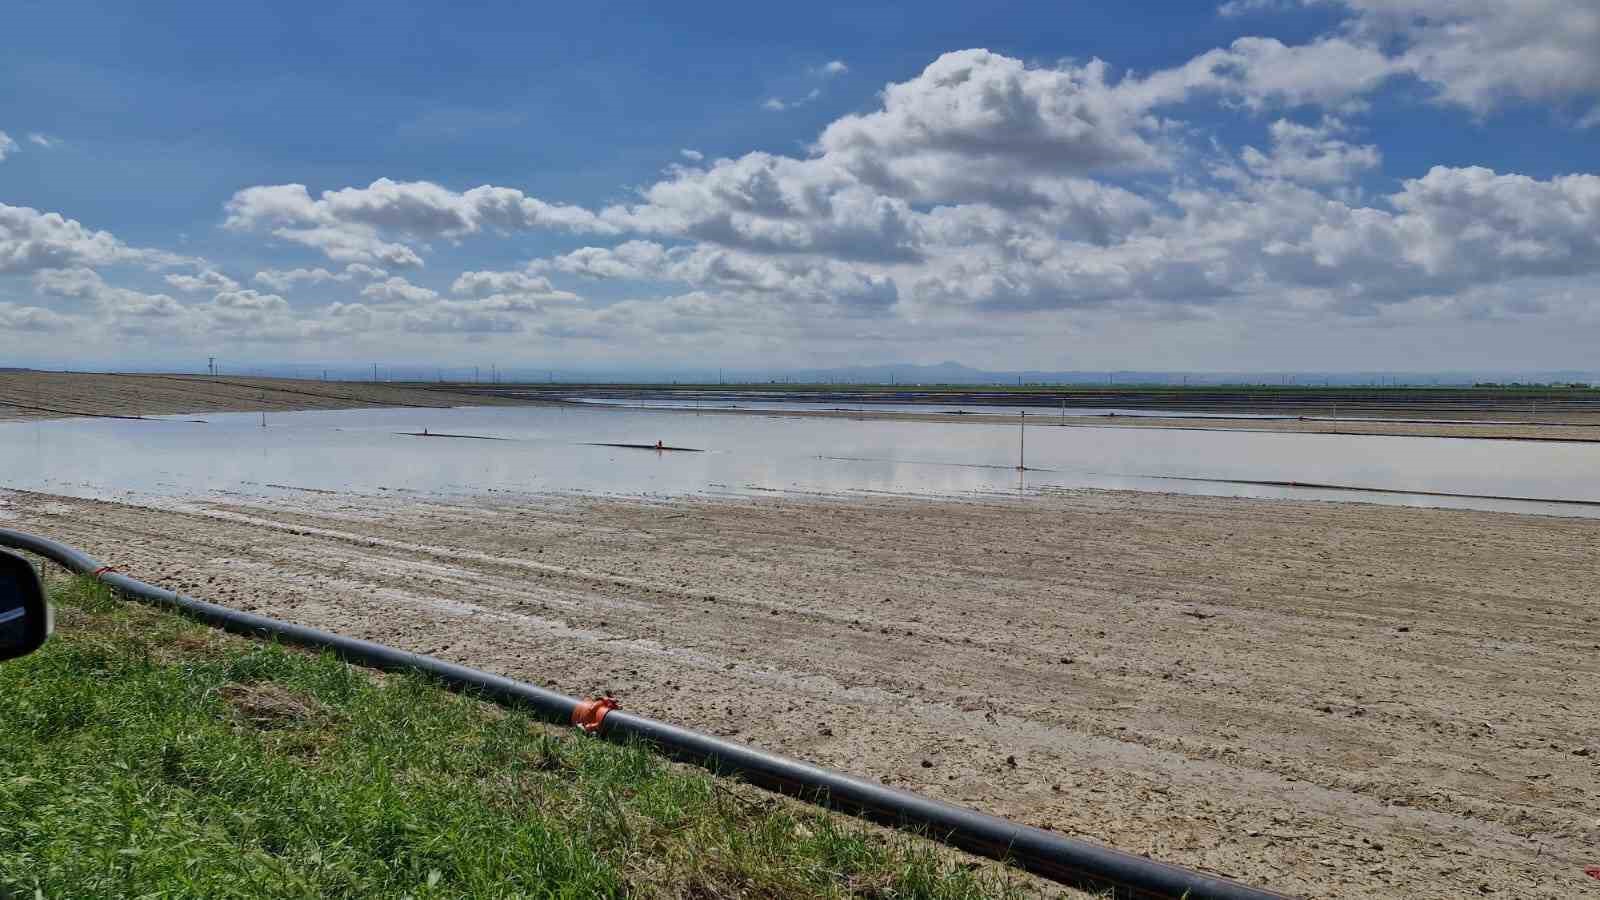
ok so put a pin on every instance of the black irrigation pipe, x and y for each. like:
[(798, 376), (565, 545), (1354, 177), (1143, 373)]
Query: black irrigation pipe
[(1045, 853)]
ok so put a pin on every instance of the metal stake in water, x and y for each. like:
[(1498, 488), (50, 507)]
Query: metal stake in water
[(1022, 441)]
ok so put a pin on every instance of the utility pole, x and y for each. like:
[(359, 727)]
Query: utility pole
[(374, 373), (1022, 441), (211, 365)]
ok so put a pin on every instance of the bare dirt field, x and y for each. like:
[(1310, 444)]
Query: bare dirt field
[(1331, 700), (41, 395)]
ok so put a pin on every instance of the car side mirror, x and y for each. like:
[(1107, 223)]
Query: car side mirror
[(24, 614)]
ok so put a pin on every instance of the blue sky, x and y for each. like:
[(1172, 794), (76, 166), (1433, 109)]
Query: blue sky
[(1269, 184)]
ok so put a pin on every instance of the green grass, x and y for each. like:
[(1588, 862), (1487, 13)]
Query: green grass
[(142, 755)]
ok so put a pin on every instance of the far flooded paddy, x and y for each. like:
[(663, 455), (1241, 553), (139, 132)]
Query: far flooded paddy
[(551, 449), (969, 409)]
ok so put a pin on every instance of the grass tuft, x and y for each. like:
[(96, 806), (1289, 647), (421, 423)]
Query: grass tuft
[(144, 755)]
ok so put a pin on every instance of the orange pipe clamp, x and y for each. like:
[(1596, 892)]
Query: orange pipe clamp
[(588, 714)]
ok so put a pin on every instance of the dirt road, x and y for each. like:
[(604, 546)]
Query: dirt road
[(1333, 700)]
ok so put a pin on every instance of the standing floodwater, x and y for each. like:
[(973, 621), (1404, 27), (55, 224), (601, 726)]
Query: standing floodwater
[(555, 449)]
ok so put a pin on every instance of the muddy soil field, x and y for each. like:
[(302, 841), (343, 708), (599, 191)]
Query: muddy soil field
[(54, 395), (1331, 700)]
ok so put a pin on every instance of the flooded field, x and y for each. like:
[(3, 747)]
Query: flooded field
[(968, 409), (554, 449)]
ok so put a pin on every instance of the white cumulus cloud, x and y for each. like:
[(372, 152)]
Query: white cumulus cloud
[(397, 290), (31, 240), (1487, 54), (1481, 55), (378, 223), (205, 280), (287, 279), (1311, 153)]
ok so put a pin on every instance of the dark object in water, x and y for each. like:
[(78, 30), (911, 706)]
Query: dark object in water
[(465, 437), (656, 446)]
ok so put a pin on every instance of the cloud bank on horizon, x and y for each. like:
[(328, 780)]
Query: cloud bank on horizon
[(988, 206)]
